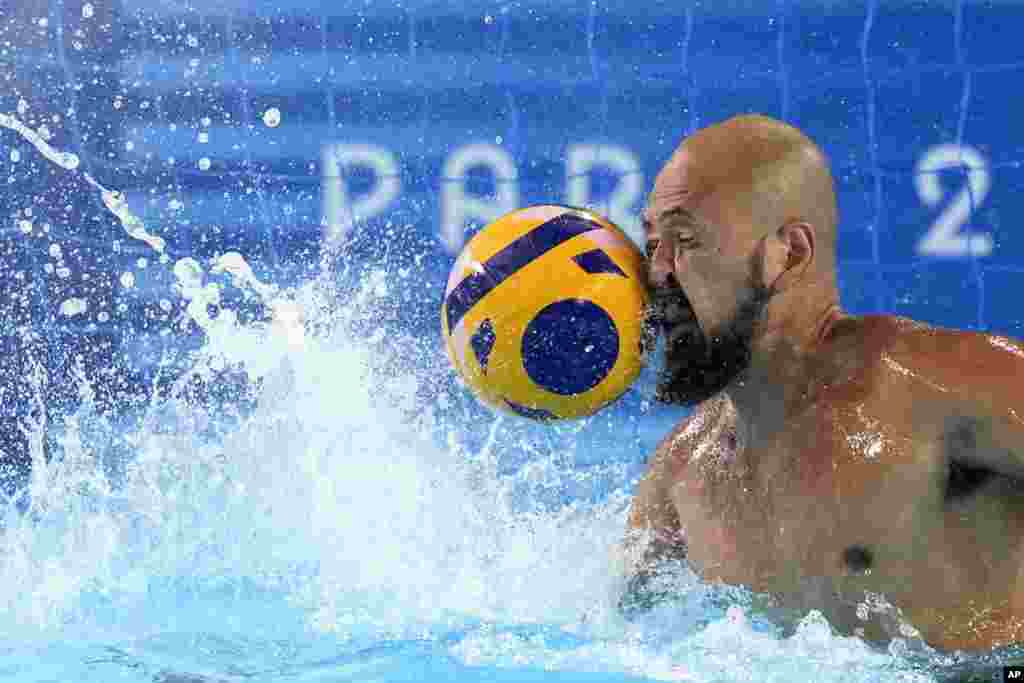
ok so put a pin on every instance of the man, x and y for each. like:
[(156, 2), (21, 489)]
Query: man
[(833, 462)]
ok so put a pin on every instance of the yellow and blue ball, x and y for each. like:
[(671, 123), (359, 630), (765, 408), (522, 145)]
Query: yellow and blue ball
[(543, 313)]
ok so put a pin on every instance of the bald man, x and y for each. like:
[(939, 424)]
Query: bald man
[(870, 467)]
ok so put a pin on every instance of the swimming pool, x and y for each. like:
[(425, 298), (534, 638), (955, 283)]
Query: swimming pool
[(250, 459), (339, 530)]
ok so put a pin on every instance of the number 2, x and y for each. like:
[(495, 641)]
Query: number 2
[(945, 238)]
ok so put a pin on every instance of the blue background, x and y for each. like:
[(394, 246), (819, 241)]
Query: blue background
[(877, 84)]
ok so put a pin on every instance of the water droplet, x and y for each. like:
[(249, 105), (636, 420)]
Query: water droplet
[(175, 205), (87, 10), (204, 164), (74, 306), (22, 107), (118, 102), (68, 160), (192, 41), (488, 19), (127, 280), (103, 316), (165, 305), (25, 226), (498, 140), (129, 145), (55, 250), (15, 155), (272, 117), (189, 273), (43, 22), (64, 273), (205, 121), (142, 262)]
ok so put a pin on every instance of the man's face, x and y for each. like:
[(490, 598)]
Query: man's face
[(705, 298)]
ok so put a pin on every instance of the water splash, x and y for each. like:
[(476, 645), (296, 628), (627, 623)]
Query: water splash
[(117, 203), (340, 501), (339, 514), (188, 271), (66, 160)]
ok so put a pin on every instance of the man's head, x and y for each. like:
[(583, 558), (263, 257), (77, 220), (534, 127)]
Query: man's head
[(740, 243)]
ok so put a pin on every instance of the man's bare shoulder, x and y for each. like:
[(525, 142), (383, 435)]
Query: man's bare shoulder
[(943, 350), (875, 341), (953, 367), (706, 419), (873, 334)]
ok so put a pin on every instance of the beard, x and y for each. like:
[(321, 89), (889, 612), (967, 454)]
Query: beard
[(697, 366)]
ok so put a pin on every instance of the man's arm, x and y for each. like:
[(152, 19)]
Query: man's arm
[(654, 539)]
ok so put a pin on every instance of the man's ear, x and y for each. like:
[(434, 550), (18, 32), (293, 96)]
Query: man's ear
[(784, 257)]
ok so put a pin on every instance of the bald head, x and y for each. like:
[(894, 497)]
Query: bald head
[(741, 251), (765, 168)]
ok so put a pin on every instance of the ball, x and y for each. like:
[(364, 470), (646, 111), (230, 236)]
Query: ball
[(543, 313)]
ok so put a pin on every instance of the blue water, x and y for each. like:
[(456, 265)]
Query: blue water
[(225, 489), (335, 527)]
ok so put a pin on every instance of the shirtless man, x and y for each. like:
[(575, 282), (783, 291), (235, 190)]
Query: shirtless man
[(830, 457)]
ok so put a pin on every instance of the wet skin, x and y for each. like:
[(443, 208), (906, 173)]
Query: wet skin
[(881, 482), (838, 458)]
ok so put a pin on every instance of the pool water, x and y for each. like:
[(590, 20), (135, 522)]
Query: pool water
[(305, 492), (344, 518)]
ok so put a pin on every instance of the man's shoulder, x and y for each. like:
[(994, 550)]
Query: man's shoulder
[(881, 336), (952, 361), (898, 336), (863, 351), (707, 417), (882, 329)]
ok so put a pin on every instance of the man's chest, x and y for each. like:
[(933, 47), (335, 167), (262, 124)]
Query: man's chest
[(827, 496)]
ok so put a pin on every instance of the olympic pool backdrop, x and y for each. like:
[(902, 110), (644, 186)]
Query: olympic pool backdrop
[(397, 128)]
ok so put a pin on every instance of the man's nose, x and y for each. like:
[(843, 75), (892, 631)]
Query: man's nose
[(661, 269)]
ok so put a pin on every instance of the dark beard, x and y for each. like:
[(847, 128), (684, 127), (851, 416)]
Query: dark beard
[(699, 366)]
